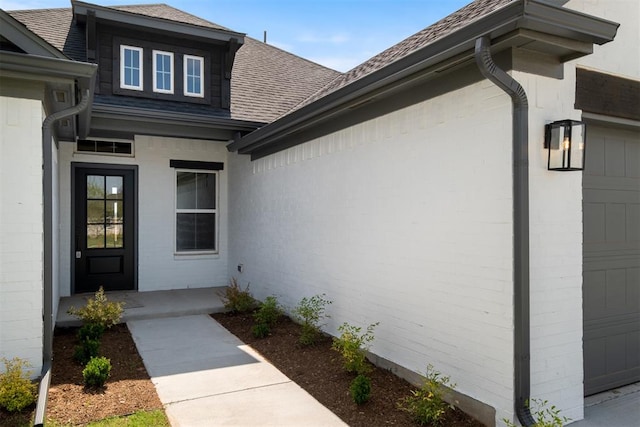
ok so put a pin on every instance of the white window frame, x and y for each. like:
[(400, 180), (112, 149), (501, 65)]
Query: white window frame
[(186, 77), (155, 71), (140, 50), (212, 211)]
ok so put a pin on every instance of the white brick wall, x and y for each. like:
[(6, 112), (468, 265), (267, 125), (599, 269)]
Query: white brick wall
[(405, 220), (21, 224), (158, 267), (556, 215)]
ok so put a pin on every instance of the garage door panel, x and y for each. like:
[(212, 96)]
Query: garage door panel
[(614, 160), (632, 165), (611, 259)]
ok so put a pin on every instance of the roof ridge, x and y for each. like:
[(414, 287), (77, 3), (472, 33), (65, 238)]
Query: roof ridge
[(126, 8)]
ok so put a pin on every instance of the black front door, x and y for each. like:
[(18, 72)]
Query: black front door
[(104, 229)]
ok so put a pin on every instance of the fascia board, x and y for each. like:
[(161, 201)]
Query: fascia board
[(128, 18), (26, 40), (185, 119), (529, 14), (45, 68)]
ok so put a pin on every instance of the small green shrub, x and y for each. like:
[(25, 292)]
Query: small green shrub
[(309, 313), (545, 415), (90, 331), (96, 372), (16, 389), (99, 310), (360, 389), (260, 330), (237, 299), (86, 350), (353, 345), (269, 312), (426, 404)]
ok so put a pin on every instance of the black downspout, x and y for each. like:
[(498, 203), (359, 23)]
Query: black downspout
[(520, 224), (47, 297)]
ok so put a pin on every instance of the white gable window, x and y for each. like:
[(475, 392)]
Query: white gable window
[(193, 76), (196, 211), (162, 71), (131, 67)]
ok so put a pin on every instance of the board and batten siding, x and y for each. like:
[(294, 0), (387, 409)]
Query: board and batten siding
[(158, 267), (405, 220), (21, 230)]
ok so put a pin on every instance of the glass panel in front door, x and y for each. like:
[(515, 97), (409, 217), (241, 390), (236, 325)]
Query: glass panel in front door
[(105, 209)]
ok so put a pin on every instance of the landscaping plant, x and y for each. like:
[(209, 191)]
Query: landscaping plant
[(309, 313), (86, 350), (237, 299), (96, 372), (266, 317), (91, 331), (16, 389), (426, 405), (360, 389), (545, 415), (353, 345), (99, 310)]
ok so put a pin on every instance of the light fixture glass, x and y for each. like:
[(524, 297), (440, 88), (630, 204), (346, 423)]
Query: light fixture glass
[(565, 141)]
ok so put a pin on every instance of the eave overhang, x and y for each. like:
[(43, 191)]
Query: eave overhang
[(19, 34), (527, 24), (121, 17), (125, 122), (57, 74)]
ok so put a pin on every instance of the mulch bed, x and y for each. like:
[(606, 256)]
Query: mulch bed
[(318, 369), (128, 389)]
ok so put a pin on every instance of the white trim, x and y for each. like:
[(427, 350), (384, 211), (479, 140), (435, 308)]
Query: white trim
[(124, 47), (177, 211), (185, 61), (155, 71)]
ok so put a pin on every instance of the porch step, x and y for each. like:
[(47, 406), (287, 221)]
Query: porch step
[(150, 305)]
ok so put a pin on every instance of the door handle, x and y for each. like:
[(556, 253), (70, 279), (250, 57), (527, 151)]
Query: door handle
[(78, 254)]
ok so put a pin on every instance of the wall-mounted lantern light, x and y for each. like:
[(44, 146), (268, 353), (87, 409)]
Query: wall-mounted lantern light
[(565, 141)]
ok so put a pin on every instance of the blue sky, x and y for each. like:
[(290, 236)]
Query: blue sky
[(339, 34)]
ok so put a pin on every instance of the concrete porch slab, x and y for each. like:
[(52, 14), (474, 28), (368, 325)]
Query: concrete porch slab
[(615, 408), (150, 305)]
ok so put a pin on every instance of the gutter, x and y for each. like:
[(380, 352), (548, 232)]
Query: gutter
[(520, 141), (534, 15), (47, 188)]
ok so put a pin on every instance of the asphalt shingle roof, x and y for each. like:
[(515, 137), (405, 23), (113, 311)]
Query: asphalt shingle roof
[(266, 81), (419, 40)]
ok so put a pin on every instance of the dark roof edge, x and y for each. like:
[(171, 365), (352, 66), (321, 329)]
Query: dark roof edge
[(42, 68), (126, 17), (46, 68), (135, 113), (530, 14), (17, 33)]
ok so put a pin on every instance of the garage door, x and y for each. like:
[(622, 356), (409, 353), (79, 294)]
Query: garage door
[(611, 252)]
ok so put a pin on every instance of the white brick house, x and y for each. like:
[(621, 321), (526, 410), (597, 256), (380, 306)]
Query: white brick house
[(393, 191)]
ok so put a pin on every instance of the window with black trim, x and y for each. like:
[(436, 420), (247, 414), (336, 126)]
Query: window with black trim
[(196, 211), (121, 148)]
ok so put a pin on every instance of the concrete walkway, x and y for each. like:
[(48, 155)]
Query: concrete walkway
[(205, 376)]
